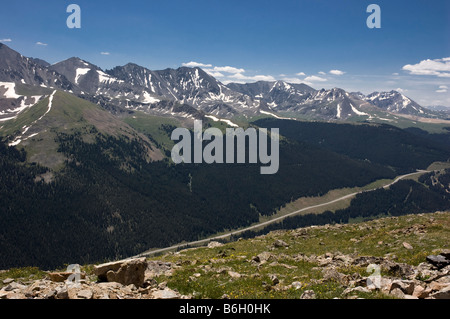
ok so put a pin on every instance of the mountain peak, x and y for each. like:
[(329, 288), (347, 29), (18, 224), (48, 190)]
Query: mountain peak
[(76, 62)]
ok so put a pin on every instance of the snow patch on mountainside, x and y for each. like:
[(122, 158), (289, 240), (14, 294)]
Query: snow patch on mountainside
[(80, 72), (148, 99), (357, 112), (215, 119), (339, 111), (105, 78), (19, 139), (275, 116), (10, 90)]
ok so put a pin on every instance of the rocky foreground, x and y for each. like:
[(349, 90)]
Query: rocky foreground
[(410, 260)]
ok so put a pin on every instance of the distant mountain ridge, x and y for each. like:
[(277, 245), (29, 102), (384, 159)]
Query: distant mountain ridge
[(192, 92)]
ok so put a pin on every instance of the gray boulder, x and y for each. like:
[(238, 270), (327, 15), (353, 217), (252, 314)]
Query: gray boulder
[(440, 261)]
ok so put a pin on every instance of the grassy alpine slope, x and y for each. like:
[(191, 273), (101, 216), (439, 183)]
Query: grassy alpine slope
[(285, 264)]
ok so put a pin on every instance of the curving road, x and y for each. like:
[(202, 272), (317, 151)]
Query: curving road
[(237, 232)]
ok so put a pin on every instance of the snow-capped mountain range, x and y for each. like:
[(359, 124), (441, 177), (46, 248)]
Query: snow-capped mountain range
[(186, 92)]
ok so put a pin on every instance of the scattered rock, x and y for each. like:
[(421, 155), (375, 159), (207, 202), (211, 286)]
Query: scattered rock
[(275, 263), (264, 257), (407, 246), (397, 269), (359, 289), (156, 268), (62, 293), (3, 294), (406, 286), (346, 260), (279, 244), (274, 279), (234, 274), (63, 276), (296, 285), (14, 286), (365, 261), (308, 294), (166, 294), (331, 274), (420, 292), (15, 295), (85, 294), (214, 244), (49, 294), (445, 253), (440, 261), (397, 292), (442, 294)]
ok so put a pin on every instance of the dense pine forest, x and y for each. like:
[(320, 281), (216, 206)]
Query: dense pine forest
[(403, 150), (403, 198)]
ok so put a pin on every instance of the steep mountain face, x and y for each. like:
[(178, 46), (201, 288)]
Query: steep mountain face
[(113, 93), (277, 94), (303, 100), (79, 72), (90, 79), (396, 102), (41, 62), (332, 104), (191, 86), (270, 90), (15, 68)]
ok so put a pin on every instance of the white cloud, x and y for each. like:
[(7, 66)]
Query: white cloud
[(442, 89), (228, 69), (229, 74), (322, 73), (104, 53), (436, 67), (5, 40), (193, 64), (337, 72), (401, 90), (314, 78), (242, 77), (207, 68), (300, 74), (214, 73), (292, 80), (395, 74), (40, 43)]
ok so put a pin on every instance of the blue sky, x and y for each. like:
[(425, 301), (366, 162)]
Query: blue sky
[(325, 43)]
